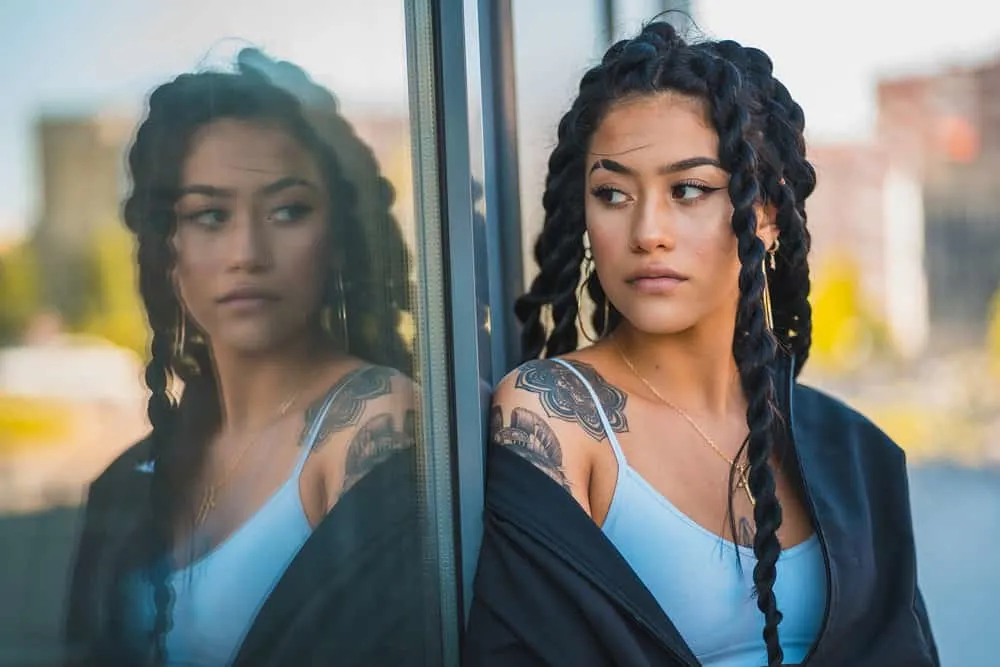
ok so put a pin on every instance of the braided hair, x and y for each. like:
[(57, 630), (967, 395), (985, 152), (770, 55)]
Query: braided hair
[(761, 146), (360, 220)]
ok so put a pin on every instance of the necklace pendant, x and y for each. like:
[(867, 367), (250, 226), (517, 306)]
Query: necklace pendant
[(744, 483), (207, 505)]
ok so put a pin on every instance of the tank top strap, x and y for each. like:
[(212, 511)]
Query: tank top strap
[(309, 440), (605, 422)]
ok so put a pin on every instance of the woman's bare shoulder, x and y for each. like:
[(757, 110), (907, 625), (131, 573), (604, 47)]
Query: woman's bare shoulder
[(368, 415), (547, 414)]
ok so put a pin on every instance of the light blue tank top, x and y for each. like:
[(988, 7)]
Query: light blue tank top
[(217, 597), (694, 575)]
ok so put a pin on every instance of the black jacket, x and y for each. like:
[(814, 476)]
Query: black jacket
[(357, 594), (552, 590)]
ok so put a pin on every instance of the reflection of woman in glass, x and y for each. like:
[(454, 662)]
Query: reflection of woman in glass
[(730, 516), (267, 298)]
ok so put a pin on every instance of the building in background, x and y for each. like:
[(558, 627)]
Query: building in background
[(82, 167), (867, 213), (915, 210), (944, 128)]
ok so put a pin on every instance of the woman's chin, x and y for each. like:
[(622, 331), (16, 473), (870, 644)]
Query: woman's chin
[(664, 323), (251, 342)]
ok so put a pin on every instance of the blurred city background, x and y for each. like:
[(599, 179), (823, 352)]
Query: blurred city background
[(903, 111)]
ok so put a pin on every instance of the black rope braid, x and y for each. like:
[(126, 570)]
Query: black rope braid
[(559, 254), (761, 146), (754, 348), (161, 413), (147, 215)]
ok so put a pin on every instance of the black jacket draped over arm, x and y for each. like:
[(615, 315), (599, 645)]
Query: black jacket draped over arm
[(359, 592)]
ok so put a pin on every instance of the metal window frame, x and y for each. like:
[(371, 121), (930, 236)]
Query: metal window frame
[(435, 358), (506, 260), (464, 263), (479, 146)]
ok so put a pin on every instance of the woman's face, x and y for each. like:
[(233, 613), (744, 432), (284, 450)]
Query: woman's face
[(252, 235), (659, 216)]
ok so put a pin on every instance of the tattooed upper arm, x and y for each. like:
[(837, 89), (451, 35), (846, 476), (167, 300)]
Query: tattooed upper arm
[(531, 437), (372, 416), (381, 436), (351, 396), (544, 413)]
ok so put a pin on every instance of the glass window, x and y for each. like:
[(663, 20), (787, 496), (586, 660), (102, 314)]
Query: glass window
[(217, 336), (544, 93)]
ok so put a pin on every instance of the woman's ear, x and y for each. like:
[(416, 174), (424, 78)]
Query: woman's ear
[(767, 226)]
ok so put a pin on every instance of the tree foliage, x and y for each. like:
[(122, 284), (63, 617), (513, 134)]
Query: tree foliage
[(20, 290), (114, 309), (846, 332)]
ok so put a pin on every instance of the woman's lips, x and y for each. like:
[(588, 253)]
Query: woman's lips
[(656, 284)]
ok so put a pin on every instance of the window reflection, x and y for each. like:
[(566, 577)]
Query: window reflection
[(283, 335), (239, 253)]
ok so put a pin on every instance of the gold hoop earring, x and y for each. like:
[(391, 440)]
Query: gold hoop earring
[(342, 300), (181, 358), (607, 316), (180, 334), (326, 320), (326, 312), (589, 271), (579, 312), (766, 294), (579, 317)]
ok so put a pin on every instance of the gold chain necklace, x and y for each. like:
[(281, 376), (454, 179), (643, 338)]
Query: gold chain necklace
[(209, 498), (742, 469)]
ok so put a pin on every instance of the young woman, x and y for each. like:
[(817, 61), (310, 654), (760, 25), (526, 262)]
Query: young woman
[(670, 495), (268, 516)]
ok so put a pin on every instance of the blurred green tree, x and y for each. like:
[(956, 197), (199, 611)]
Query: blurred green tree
[(20, 290), (114, 308), (845, 331)]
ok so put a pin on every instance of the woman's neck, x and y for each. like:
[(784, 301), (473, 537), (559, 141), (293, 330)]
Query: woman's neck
[(694, 370), (253, 388)]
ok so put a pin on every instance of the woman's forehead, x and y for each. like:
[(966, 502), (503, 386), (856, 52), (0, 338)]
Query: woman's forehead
[(668, 127), (235, 153)]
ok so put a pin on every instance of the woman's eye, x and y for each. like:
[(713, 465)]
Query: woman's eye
[(212, 217), (688, 192), (290, 213), (610, 196)]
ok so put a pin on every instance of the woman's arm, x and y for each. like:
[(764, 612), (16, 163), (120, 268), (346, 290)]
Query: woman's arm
[(372, 417), (534, 416)]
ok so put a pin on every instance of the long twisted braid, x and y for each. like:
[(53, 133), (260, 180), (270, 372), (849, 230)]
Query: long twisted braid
[(180, 431), (761, 146)]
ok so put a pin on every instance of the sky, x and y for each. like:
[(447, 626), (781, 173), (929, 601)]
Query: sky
[(88, 55), (95, 55), (830, 53)]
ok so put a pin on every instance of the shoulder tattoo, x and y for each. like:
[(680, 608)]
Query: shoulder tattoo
[(531, 438), (353, 391), (375, 442), (565, 397)]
